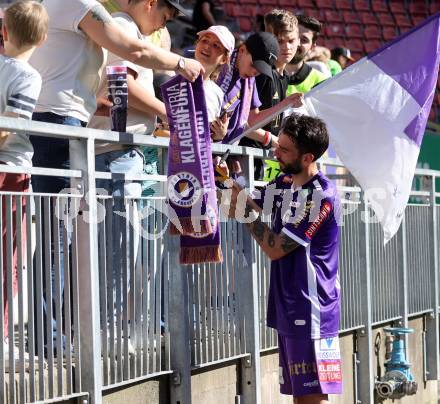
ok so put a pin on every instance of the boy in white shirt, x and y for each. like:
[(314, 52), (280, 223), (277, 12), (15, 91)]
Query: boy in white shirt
[(24, 28)]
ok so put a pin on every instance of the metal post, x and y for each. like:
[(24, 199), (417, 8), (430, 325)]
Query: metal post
[(82, 156), (365, 380), (432, 321), (403, 279), (248, 281), (178, 322)]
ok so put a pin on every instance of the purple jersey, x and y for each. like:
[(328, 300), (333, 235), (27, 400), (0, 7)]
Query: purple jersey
[(241, 96), (304, 292)]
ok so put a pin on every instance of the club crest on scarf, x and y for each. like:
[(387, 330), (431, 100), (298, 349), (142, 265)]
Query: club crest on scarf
[(184, 189), (192, 198)]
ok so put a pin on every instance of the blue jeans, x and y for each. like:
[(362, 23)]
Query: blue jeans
[(127, 161), (52, 153)]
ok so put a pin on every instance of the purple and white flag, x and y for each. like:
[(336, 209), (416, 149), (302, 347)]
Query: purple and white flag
[(376, 112)]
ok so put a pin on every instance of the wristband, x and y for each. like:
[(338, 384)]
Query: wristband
[(267, 139)]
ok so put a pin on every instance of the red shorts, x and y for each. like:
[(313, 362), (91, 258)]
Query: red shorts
[(12, 183)]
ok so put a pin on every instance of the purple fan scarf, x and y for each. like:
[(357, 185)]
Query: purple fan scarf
[(191, 187), (234, 99)]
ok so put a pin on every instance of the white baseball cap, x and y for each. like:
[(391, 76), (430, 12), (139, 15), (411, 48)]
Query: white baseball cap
[(223, 34)]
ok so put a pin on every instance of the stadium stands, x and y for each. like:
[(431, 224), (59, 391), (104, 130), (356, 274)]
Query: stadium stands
[(360, 25)]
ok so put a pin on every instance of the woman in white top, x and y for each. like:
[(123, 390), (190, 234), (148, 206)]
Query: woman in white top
[(214, 47)]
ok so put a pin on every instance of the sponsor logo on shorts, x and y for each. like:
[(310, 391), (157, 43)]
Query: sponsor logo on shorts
[(302, 368), (330, 371), (311, 384), (327, 348)]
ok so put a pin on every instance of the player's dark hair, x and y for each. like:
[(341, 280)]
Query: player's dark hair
[(310, 23), (309, 134)]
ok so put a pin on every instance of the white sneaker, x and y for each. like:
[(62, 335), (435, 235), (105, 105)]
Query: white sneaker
[(131, 350), (16, 357)]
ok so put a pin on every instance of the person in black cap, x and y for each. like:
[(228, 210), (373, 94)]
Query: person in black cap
[(257, 55), (342, 56)]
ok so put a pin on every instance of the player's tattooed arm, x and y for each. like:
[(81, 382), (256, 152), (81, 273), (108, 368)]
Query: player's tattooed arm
[(274, 245)]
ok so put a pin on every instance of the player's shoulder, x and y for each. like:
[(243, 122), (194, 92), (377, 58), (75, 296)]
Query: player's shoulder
[(323, 189)]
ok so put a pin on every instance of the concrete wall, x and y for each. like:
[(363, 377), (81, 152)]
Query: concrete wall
[(220, 385)]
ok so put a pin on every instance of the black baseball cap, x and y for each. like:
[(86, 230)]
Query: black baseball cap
[(264, 49), (176, 4), (340, 51)]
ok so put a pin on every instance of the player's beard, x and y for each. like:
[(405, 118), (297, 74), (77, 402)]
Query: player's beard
[(298, 58), (294, 168)]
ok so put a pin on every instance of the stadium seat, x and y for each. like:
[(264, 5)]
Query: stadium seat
[(353, 31), (362, 5), (397, 8), (312, 12), (287, 4), (389, 33), (328, 43), (238, 11), (372, 32), (304, 4), (368, 18), (379, 6), (342, 4), (229, 9), (417, 19), (386, 20), (432, 114), (268, 3), (334, 30), (355, 45), (250, 10), (245, 24), (332, 16), (434, 7), (350, 17), (418, 9), (371, 46), (402, 21), (324, 4), (264, 9), (252, 2)]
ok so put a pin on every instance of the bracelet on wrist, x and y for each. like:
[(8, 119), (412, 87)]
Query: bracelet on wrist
[(267, 139)]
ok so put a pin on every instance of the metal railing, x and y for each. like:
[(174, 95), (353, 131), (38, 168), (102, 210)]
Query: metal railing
[(128, 309)]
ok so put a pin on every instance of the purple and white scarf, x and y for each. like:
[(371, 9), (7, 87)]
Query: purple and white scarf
[(191, 187)]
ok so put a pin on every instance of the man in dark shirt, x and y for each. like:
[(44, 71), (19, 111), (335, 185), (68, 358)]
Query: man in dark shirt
[(284, 26)]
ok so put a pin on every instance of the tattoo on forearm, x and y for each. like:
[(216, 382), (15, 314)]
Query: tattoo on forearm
[(247, 210), (271, 239), (287, 244), (99, 13), (258, 229)]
